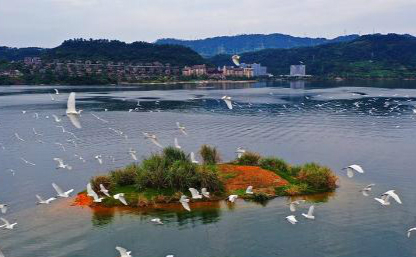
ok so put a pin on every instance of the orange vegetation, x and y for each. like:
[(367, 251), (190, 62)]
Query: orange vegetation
[(240, 177), (82, 199)]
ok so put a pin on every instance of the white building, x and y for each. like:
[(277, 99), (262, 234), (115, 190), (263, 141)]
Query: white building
[(258, 70), (297, 70)]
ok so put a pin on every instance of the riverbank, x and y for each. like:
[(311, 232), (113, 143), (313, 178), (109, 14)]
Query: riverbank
[(164, 178)]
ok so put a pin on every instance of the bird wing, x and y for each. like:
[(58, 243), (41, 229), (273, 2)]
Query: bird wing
[(178, 125), (71, 104), (56, 91), (91, 192), (122, 199), (185, 205), (103, 189), (350, 172), (311, 209), (39, 198), (292, 207), (154, 141), (4, 209), (229, 104), (6, 222), (394, 196), (194, 192), (59, 160), (380, 200), (357, 168), (176, 143), (123, 251), (74, 120), (57, 189)]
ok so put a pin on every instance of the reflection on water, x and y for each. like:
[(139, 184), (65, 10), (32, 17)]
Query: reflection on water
[(335, 124)]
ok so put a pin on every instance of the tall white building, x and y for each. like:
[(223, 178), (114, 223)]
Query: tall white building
[(297, 70)]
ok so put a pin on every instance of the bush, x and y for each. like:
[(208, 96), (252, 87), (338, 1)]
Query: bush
[(171, 154), (209, 155), (249, 158), (152, 173), (208, 178), (126, 176), (275, 164), (318, 178), (105, 180)]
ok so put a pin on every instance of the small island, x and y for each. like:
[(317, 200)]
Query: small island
[(164, 177)]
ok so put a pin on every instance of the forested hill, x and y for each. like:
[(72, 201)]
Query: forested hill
[(106, 50), (247, 43), (376, 55), (16, 54)]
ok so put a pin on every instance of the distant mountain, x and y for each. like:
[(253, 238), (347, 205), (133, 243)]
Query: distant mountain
[(120, 51), (248, 43), (16, 54), (376, 55)]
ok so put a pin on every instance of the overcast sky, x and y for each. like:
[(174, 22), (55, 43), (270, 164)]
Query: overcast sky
[(47, 23)]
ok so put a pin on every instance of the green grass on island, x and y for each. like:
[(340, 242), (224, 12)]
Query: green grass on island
[(164, 177)]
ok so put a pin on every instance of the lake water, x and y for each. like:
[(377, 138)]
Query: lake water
[(336, 124)]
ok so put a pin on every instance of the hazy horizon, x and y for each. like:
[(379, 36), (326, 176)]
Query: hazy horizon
[(46, 23)]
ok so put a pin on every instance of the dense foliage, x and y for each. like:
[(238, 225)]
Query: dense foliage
[(114, 50), (17, 54), (370, 56), (247, 43), (209, 155)]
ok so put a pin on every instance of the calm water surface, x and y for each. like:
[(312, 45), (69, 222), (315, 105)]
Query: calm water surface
[(372, 124)]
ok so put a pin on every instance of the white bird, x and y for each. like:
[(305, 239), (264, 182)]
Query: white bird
[(24, 112), (309, 215), (104, 190), (157, 221), (27, 162), (195, 193), (53, 99), (61, 145), (249, 190), (71, 109), (177, 146), (7, 224), (56, 91), (18, 137), (193, 160), (36, 133), (3, 208), (385, 198), (367, 189), (56, 118), (99, 158), (205, 192), (93, 194), (36, 115), (236, 59), (121, 198), (292, 205), (132, 153), (232, 198), (123, 252), (61, 164), (227, 100), (240, 151), (153, 138), (60, 192), (42, 201), (185, 202), (409, 232), (350, 170), (181, 128), (292, 219)]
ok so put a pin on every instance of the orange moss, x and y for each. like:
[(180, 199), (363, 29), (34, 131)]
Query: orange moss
[(82, 199), (240, 177)]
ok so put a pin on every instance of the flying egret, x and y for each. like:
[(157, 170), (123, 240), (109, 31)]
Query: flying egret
[(409, 232), (3, 208), (153, 138), (350, 170), (7, 224), (123, 252), (232, 198), (177, 146), (121, 198), (292, 219), (205, 192), (249, 190), (93, 194), (157, 221), (292, 205), (60, 192), (309, 215), (56, 118), (185, 202), (193, 160), (18, 137), (240, 151), (56, 91), (227, 100), (71, 109), (42, 201), (367, 189), (195, 193), (99, 159), (385, 198), (132, 153), (104, 190), (61, 164), (236, 59), (181, 128)]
